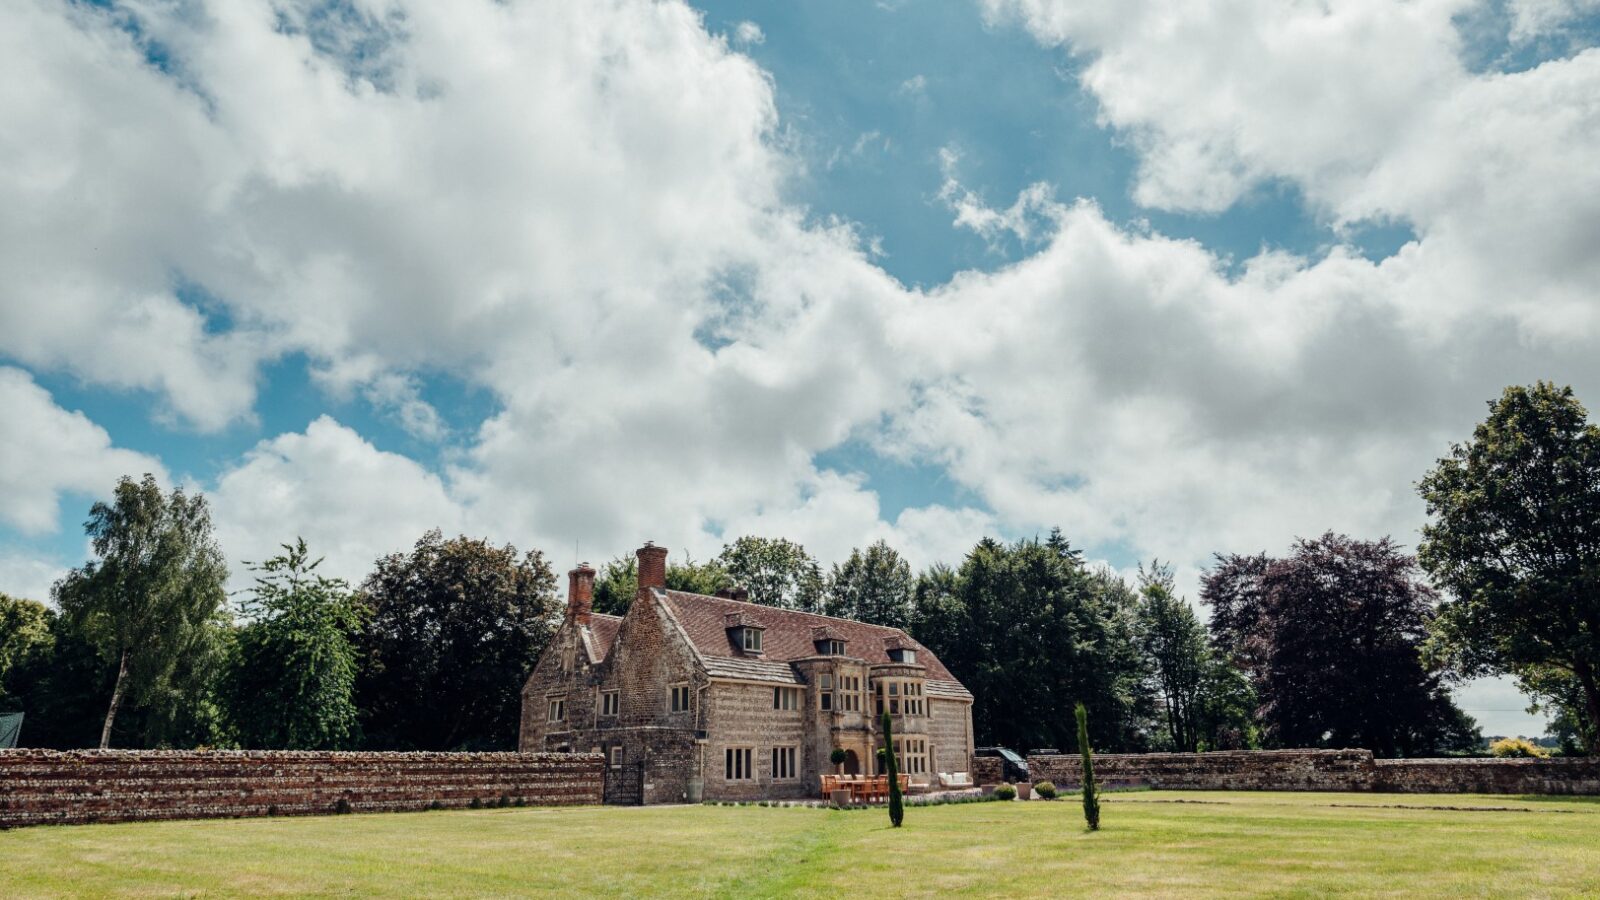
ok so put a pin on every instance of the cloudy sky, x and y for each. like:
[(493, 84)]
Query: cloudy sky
[(1178, 277)]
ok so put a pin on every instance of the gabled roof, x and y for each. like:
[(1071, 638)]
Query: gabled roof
[(600, 635), (790, 635)]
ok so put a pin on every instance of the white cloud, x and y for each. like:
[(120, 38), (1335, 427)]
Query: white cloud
[(748, 34), (351, 501), (400, 396), (1531, 19), (28, 575), (1034, 212), (47, 451), (915, 86), (582, 209)]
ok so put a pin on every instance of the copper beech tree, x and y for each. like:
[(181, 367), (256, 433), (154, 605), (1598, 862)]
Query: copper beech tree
[(1331, 639)]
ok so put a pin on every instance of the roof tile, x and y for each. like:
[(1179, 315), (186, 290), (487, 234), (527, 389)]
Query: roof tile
[(790, 634)]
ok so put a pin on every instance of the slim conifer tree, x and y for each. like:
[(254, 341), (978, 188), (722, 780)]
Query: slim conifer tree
[(897, 812), (1091, 803)]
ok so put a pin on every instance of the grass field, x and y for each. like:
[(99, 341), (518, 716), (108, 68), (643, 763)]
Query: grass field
[(1152, 844)]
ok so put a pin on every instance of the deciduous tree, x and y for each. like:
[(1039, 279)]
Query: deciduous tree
[(778, 572), (291, 684), (1331, 639), (1174, 644), (618, 580), (1514, 538), (452, 630), (26, 642), (153, 602)]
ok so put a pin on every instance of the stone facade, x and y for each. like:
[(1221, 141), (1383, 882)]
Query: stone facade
[(1325, 770), (690, 695), (39, 787)]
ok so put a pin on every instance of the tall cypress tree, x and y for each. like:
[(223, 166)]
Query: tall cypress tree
[(1091, 802), (897, 812)]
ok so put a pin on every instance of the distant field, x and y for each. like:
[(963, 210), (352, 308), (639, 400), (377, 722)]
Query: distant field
[(1152, 844)]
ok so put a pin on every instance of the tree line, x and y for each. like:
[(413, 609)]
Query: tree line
[(1338, 642)]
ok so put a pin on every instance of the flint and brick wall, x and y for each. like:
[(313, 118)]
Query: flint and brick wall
[(1325, 770), (1562, 775), (39, 787), (986, 770)]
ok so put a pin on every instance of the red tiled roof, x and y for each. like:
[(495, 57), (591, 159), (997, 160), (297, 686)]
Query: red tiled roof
[(603, 633), (788, 634)]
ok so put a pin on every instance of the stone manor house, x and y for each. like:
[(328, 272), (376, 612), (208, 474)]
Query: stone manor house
[(693, 696)]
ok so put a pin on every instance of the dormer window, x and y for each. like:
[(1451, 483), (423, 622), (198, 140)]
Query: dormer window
[(828, 640), (903, 655), (744, 631)]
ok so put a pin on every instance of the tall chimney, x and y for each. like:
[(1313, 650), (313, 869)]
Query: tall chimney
[(580, 593), (652, 566)]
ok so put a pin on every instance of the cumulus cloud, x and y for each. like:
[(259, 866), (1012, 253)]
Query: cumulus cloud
[(351, 501), (584, 209), (47, 451)]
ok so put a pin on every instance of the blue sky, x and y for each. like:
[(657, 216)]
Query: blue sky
[(1179, 281)]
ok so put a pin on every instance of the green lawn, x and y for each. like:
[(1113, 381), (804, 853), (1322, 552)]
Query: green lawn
[(1152, 843)]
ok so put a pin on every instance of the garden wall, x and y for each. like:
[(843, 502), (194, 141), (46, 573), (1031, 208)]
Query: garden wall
[(986, 770), (1563, 775), (1326, 770), (40, 787)]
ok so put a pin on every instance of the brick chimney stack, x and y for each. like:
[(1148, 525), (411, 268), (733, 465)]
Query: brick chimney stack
[(580, 593), (652, 566)]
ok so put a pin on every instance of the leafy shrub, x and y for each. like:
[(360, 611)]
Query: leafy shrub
[(1517, 748), (1046, 790), (838, 756), (1005, 792)]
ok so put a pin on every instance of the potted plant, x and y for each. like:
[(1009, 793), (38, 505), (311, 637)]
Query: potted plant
[(1024, 790), (837, 757)]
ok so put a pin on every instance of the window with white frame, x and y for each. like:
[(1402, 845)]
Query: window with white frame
[(558, 709), (783, 763), (610, 703), (825, 691), (739, 764), (680, 698), (752, 640), (785, 698), (616, 756)]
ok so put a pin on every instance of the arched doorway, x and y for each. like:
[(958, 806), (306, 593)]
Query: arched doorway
[(852, 763)]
